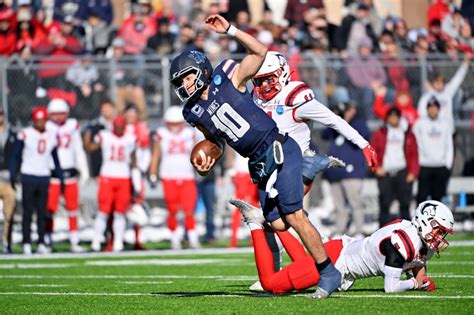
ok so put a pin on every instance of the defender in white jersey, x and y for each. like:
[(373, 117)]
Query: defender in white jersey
[(400, 246), (115, 190), (74, 164), (33, 151), (291, 105), (172, 147)]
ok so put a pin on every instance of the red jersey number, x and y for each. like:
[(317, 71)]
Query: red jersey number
[(41, 146), (117, 153)]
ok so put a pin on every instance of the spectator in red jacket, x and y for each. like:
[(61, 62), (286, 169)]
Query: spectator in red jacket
[(136, 30), (29, 31), (397, 150), (438, 10), (59, 44), (403, 101), (7, 32)]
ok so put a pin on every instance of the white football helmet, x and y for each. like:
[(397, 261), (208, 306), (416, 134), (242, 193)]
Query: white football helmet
[(174, 115), (58, 105), (275, 72), (434, 222)]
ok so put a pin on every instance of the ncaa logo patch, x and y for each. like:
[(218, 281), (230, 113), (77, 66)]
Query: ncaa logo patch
[(279, 110), (217, 80)]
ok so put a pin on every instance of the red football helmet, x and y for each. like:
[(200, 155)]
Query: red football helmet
[(119, 125)]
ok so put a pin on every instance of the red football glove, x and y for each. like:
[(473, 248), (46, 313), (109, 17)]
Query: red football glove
[(428, 285), (371, 157)]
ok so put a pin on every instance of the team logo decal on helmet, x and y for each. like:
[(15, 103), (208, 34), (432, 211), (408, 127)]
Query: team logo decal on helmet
[(429, 209), (197, 56)]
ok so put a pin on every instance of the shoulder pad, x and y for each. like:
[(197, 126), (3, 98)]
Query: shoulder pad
[(402, 241), (228, 66), (298, 94)]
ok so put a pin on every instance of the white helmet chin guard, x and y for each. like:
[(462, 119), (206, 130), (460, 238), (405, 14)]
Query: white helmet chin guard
[(434, 221)]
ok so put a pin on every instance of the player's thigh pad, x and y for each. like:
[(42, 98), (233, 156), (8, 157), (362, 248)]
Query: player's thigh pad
[(189, 195), (105, 195), (289, 184), (71, 196), (122, 194)]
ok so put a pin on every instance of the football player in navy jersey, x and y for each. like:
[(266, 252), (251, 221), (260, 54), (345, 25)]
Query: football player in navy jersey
[(218, 104)]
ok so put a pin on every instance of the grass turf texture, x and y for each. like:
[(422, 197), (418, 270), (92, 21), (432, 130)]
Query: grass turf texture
[(211, 284)]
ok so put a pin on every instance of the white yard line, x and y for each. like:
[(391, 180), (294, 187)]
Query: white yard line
[(108, 277), (43, 285), (38, 266), (161, 262), (337, 295), (186, 252), (216, 277), (144, 253), (145, 282)]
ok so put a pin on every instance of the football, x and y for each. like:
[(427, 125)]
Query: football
[(205, 148)]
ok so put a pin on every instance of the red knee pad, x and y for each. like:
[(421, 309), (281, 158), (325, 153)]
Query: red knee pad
[(303, 273)]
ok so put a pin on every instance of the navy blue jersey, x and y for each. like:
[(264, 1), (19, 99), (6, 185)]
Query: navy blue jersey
[(231, 115)]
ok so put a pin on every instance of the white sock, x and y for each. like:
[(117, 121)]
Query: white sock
[(74, 237), (119, 227), (175, 237), (254, 226), (100, 225), (193, 238)]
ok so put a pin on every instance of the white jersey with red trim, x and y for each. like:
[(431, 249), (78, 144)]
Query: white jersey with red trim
[(116, 154), (294, 106), (363, 258), (282, 109), (36, 155), (175, 150), (70, 148)]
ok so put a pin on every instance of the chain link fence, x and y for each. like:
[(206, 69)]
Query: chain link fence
[(85, 81)]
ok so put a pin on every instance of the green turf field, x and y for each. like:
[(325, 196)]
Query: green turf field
[(162, 281)]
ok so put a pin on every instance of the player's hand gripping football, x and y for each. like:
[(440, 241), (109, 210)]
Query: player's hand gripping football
[(371, 157), (206, 165), (217, 24)]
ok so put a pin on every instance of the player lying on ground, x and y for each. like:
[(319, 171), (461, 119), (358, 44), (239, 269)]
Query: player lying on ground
[(400, 246)]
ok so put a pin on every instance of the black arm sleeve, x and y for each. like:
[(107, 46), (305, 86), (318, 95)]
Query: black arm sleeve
[(393, 258)]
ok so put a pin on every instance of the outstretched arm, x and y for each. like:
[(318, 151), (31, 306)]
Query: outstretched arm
[(256, 50)]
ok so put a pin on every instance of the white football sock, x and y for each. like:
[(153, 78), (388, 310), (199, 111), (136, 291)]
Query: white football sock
[(119, 228), (100, 225), (175, 240), (193, 238), (254, 226), (74, 237)]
